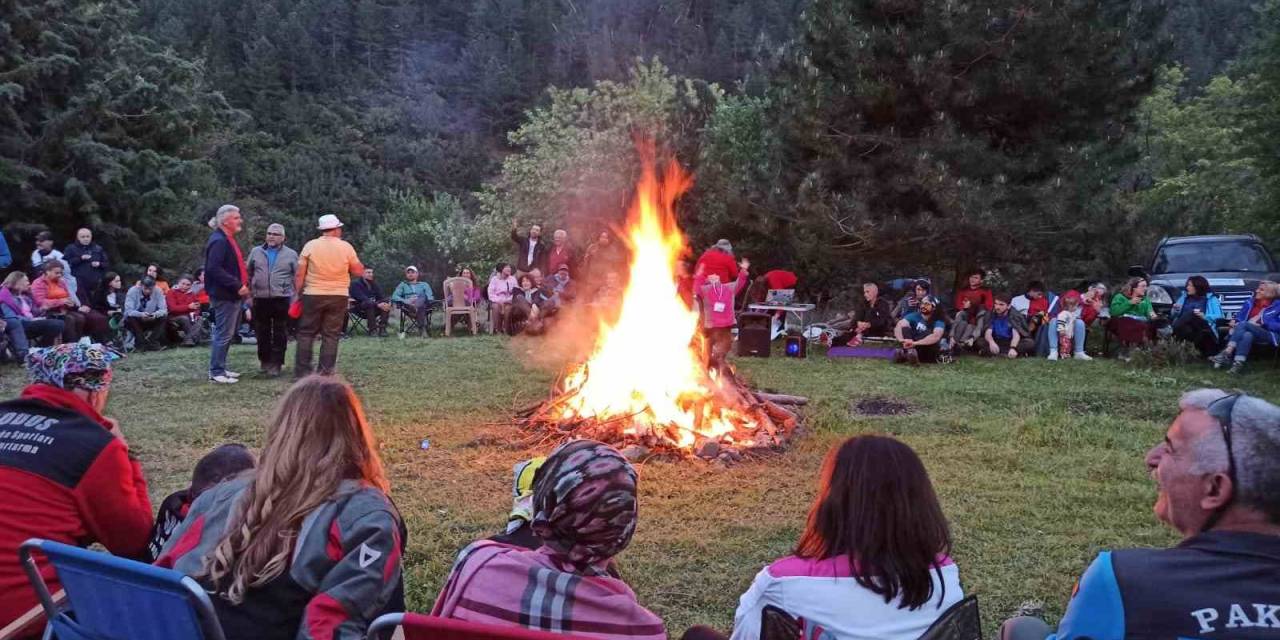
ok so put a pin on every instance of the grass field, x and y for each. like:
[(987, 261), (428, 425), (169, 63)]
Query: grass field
[(1039, 464)]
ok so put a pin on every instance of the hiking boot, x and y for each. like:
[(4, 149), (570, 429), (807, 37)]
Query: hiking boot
[(1221, 360), (1237, 368)]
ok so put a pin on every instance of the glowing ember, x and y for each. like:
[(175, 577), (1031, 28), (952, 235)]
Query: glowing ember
[(647, 372)]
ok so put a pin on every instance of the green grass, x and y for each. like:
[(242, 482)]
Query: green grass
[(1038, 464)]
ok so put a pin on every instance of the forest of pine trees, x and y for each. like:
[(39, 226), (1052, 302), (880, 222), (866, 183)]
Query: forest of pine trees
[(841, 137)]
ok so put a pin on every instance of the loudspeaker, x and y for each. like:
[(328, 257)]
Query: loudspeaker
[(754, 333), (797, 347)]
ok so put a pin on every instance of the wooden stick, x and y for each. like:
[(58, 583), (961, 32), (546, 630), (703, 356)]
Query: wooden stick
[(779, 398)]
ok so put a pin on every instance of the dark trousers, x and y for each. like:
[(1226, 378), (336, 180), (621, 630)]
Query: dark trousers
[(719, 342), (23, 333), (149, 332), (321, 315), (1198, 332), (77, 325), (377, 318), (191, 329), (271, 325)]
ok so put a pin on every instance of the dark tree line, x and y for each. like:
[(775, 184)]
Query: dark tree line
[(846, 132)]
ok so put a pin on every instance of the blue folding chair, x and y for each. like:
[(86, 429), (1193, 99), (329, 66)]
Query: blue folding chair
[(116, 599)]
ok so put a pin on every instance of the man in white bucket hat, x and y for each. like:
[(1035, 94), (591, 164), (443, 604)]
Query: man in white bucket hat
[(325, 267)]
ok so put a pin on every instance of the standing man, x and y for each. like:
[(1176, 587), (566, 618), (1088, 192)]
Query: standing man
[(146, 313), (531, 251), (273, 267), (226, 279), (371, 303), (561, 254), (88, 261), (324, 276), (44, 253), (6, 258)]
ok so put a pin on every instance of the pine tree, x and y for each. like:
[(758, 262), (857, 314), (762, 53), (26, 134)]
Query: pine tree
[(921, 131)]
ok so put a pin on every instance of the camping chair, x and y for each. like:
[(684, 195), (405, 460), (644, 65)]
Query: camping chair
[(418, 626), (409, 317), (960, 622), (355, 319), (456, 290), (117, 599)]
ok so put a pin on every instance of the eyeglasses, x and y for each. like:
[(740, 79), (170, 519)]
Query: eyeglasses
[(1221, 410), (273, 233)]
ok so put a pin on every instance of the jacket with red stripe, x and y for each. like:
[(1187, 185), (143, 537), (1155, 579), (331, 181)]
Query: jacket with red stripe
[(67, 479), (344, 571)]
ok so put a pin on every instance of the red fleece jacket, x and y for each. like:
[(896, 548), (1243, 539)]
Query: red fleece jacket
[(66, 479)]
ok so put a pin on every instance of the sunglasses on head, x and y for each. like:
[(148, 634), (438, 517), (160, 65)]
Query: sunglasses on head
[(1220, 410)]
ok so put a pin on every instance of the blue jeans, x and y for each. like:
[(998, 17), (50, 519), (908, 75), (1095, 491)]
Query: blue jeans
[(1077, 335), (1244, 335), (226, 314)]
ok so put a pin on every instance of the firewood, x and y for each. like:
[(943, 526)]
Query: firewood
[(779, 398)]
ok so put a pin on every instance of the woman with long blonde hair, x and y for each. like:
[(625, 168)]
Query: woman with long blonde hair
[(308, 544)]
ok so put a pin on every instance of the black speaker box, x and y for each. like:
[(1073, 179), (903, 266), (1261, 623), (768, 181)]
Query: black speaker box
[(797, 347), (754, 333)]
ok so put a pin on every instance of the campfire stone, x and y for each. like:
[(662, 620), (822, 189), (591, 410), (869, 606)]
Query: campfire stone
[(708, 449), (634, 452)]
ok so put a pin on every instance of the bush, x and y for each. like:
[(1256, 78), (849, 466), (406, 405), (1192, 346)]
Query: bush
[(1165, 354)]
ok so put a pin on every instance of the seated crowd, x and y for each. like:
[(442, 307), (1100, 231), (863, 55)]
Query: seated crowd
[(1038, 323), (304, 542)]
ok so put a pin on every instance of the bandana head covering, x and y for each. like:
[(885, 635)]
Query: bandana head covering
[(584, 503), (77, 365)]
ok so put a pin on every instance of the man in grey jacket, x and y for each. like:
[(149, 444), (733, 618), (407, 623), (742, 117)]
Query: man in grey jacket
[(272, 268), (145, 313)]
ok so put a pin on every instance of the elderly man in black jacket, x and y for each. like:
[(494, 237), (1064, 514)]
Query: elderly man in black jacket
[(226, 279), (88, 261)]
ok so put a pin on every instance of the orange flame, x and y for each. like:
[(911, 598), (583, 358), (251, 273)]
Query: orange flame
[(645, 369)]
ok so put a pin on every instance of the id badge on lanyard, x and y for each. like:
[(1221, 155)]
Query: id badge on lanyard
[(718, 307)]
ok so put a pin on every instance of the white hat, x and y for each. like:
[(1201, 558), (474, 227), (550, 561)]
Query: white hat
[(411, 268), (329, 221)]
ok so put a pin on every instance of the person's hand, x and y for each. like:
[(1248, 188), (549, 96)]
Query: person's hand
[(1152, 315), (1013, 353), (863, 326), (244, 291), (194, 306), (908, 343), (966, 304), (745, 264), (1135, 299), (88, 256), (96, 264), (85, 309), (993, 347), (1232, 324), (1198, 313)]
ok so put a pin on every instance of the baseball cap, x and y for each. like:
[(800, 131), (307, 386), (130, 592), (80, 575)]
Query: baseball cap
[(411, 268), (329, 221)]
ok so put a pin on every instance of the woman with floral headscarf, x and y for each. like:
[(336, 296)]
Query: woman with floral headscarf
[(584, 510), (66, 469)]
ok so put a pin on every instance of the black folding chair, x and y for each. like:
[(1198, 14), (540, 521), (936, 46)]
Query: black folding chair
[(355, 319), (409, 317)]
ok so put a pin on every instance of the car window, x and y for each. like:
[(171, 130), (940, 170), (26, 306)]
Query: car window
[(1205, 257)]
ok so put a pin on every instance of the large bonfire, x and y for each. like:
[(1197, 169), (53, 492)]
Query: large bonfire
[(646, 385)]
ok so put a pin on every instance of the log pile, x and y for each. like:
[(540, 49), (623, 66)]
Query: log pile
[(764, 424)]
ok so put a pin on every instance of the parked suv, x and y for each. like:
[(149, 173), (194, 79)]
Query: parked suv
[(1233, 265)]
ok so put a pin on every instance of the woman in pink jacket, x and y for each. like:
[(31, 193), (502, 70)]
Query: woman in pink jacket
[(502, 289), (718, 319)]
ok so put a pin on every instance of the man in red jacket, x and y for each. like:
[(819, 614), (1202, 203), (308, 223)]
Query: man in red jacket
[(718, 261), (66, 470)]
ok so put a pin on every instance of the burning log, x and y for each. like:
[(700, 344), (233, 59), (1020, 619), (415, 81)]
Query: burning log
[(646, 387)]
